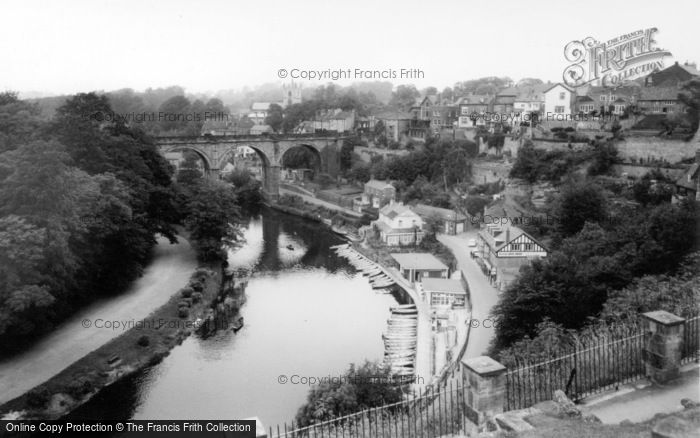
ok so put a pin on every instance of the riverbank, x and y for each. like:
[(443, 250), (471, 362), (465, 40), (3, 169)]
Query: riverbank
[(145, 343)]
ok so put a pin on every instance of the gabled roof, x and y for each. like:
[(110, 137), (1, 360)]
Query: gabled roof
[(557, 85), (692, 174), (394, 115), (418, 260), (396, 209), (583, 99)]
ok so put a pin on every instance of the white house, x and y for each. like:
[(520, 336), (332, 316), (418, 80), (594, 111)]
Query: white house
[(398, 225), (557, 102)]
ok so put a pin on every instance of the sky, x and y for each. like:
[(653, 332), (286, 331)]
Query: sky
[(207, 45)]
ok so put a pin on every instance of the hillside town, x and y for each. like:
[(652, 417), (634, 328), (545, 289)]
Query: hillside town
[(487, 231)]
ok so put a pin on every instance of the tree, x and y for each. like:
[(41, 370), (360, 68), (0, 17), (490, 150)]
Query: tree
[(404, 97), (578, 204), (690, 97), (189, 171), (212, 216), (367, 386), (175, 111), (275, 117)]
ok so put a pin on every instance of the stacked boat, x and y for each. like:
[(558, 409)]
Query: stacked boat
[(378, 279), (400, 339)]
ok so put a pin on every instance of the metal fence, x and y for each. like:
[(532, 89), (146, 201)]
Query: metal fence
[(429, 414), (690, 348), (590, 367)]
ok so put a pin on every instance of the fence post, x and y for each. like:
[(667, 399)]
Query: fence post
[(485, 383), (662, 353)]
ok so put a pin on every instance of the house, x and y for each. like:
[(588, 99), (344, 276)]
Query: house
[(450, 221), (442, 117), (529, 101), (335, 120), (376, 195), (504, 101), (398, 225), (660, 100), (602, 100), (419, 266), (445, 293), (558, 100), (503, 249), (396, 124), (258, 112), (688, 185), (673, 75), (261, 129), (471, 107)]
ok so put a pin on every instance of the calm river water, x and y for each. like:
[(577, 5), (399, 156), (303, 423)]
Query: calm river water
[(308, 314)]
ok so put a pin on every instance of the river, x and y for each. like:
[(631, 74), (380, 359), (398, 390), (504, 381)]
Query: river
[(308, 314)]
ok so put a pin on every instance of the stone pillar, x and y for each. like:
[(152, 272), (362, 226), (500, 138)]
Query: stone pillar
[(213, 174), (485, 388), (272, 182), (662, 354)]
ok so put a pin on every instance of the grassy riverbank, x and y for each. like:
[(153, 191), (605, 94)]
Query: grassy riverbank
[(144, 344)]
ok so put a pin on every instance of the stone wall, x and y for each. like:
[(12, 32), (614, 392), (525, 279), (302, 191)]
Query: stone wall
[(638, 171), (366, 153), (656, 148)]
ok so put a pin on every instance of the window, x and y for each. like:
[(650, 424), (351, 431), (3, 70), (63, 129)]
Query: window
[(514, 247), (400, 223), (562, 96), (559, 109), (612, 98), (529, 247), (602, 98)]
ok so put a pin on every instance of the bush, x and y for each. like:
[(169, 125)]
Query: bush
[(197, 286), (80, 388), (144, 341), (38, 397), (185, 303), (183, 312), (186, 292), (196, 297)]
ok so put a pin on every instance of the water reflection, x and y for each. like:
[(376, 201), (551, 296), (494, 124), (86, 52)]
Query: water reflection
[(307, 314)]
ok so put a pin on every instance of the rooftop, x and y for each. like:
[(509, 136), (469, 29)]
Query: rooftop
[(378, 184), (418, 260), (443, 285), (442, 213)]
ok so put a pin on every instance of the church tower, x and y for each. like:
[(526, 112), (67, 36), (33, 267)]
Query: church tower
[(292, 94)]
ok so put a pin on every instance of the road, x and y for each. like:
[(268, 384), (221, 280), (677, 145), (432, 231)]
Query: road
[(483, 295), (321, 202), (169, 271)]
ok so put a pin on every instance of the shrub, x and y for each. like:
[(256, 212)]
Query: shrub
[(38, 397), (144, 341), (185, 303), (196, 297), (183, 312), (196, 286), (80, 388)]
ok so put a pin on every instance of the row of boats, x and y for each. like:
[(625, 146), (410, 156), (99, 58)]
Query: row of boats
[(378, 279), (400, 340), (401, 337)]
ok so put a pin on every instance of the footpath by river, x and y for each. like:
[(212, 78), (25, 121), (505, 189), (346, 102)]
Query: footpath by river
[(169, 271)]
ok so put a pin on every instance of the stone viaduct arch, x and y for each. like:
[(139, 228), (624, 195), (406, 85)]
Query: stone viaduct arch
[(216, 150)]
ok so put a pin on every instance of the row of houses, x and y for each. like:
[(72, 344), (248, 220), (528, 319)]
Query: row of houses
[(655, 94)]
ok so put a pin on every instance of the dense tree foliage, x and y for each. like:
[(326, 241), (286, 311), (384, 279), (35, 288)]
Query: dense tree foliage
[(362, 387), (574, 282), (81, 201)]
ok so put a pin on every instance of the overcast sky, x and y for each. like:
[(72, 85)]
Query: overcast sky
[(207, 45)]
